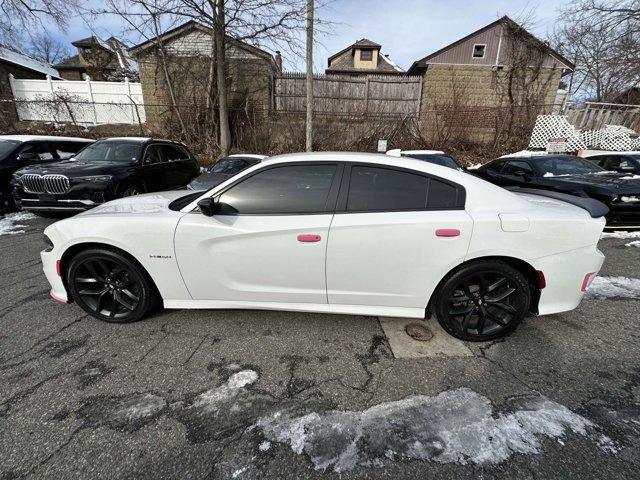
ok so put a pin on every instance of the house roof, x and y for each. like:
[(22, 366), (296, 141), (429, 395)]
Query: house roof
[(27, 62), (193, 25), (70, 62), (419, 65), (121, 60), (362, 43)]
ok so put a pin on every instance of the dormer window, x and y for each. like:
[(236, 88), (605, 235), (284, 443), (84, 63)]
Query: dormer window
[(478, 50), (87, 51), (366, 55)]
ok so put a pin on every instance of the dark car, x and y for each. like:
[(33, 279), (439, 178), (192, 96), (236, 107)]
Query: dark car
[(107, 169), (224, 169), (574, 175), (623, 162), (436, 157), (18, 151)]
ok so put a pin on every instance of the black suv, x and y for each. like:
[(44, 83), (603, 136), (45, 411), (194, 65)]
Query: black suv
[(107, 169), (18, 151)]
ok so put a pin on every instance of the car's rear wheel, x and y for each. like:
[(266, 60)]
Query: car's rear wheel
[(482, 301), (110, 286)]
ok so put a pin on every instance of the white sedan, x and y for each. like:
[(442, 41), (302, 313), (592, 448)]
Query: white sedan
[(349, 233)]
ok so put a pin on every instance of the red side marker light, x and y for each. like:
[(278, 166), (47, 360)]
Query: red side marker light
[(542, 282), (586, 281), (58, 268)]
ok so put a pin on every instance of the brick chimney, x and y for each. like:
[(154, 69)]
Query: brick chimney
[(278, 60)]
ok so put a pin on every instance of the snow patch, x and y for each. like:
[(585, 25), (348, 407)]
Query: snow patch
[(456, 426), (631, 177), (475, 166), (614, 287), (239, 472), (140, 407), (635, 243), (525, 153), (630, 198), (9, 224), (620, 234), (264, 446), (211, 400)]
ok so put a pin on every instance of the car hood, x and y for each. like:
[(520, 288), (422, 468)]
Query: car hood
[(610, 181), (208, 180), (73, 168), (148, 203)]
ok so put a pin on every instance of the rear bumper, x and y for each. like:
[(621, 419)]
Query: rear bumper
[(564, 274)]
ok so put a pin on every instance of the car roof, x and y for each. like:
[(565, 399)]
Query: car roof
[(594, 154), (139, 139), (536, 157), (44, 138)]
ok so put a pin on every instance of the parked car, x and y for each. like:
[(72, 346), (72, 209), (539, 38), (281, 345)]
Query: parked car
[(224, 169), (622, 162), (437, 157), (346, 233), (18, 151), (573, 175), (107, 169)]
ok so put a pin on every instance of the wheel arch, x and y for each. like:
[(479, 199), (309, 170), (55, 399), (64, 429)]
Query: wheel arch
[(76, 248), (522, 266)]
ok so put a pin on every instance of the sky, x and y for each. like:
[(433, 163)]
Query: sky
[(407, 29)]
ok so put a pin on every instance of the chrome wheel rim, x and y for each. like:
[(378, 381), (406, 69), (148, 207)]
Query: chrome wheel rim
[(485, 304), (107, 287)]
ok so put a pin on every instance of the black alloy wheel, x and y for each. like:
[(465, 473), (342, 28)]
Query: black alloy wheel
[(482, 301), (129, 191), (109, 286)]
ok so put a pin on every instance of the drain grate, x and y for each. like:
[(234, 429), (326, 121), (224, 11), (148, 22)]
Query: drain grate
[(418, 332)]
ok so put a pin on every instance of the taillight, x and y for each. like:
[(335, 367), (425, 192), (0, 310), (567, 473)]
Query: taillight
[(542, 282), (586, 281)]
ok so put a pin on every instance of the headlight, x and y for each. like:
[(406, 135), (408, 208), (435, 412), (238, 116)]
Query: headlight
[(97, 178), (47, 243)]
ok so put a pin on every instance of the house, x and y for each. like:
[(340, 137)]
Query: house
[(630, 96), (184, 56), (20, 66), (100, 60), (499, 68), (362, 58)]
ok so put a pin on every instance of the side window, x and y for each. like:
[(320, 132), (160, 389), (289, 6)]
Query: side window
[(152, 155), (600, 161), (174, 153), (40, 150), (294, 189), (517, 167), (375, 189), (495, 167), (442, 195), (66, 150)]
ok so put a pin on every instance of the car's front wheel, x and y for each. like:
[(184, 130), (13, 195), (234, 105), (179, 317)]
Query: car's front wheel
[(482, 301), (110, 286)]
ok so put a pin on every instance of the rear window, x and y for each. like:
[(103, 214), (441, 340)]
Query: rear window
[(113, 151)]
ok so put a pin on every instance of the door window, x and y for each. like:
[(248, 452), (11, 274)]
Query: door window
[(66, 150), (518, 168), (380, 189), (153, 155), (294, 189), (40, 150), (174, 153), (229, 166)]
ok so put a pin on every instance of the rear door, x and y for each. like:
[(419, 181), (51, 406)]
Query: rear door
[(395, 234), (179, 165), (154, 170), (269, 244)]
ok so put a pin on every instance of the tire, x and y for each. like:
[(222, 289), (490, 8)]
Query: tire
[(128, 190), (482, 300), (110, 287)]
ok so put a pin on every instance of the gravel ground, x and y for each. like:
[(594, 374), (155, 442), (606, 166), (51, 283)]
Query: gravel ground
[(249, 394)]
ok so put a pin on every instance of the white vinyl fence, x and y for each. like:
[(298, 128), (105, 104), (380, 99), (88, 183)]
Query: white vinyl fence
[(83, 102)]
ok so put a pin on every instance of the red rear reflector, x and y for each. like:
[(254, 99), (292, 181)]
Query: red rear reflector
[(58, 268), (586, 281), (542, 282)]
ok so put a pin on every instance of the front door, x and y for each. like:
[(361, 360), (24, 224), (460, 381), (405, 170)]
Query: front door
[(395, 235), (154, 169), (269, 243)]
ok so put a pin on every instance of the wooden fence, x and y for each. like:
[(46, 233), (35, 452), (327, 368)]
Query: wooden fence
[(596, 115), (380, 95)]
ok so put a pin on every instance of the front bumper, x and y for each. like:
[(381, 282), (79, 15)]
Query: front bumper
[(77, 199), (49, 267)]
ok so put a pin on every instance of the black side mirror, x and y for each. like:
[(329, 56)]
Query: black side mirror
[(209, 206), (27, 156)]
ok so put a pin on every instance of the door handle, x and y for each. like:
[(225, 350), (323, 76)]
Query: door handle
[(309, 237), (447, 232)]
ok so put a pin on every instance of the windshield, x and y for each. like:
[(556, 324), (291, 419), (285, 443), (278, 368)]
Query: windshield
[(230, 165), (567, 166), (7, 146), (444, 160), (110, 151)]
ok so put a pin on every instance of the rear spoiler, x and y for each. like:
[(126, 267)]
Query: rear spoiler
[(594, 207)]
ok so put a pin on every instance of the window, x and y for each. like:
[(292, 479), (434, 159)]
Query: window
[(229, 166), (437, 159), (110, 151), (372, 189), (442, 195), (66, 150), (40, 150), (152, 155), (294, 189), (518, 167), (174, 153), (366, 55), (566, 165), (494, 167), (478, 50)]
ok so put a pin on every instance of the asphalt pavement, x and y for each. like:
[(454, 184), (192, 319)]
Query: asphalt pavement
[(252, 394)]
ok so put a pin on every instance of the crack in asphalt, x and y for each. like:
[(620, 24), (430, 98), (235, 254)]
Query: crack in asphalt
[(38, 295)]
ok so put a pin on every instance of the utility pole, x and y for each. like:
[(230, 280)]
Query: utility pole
[(309, 142)]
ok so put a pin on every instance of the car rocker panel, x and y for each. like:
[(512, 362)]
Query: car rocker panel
[(480, 260)]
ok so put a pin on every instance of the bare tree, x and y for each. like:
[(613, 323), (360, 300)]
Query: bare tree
[(21, 15), (309, 82), (46, 48)]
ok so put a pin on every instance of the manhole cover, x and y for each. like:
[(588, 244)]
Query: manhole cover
[(418, 332)]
